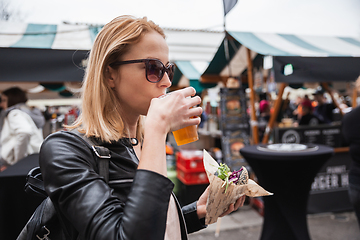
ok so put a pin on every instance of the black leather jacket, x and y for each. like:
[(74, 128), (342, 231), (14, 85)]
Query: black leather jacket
[(132, 206)]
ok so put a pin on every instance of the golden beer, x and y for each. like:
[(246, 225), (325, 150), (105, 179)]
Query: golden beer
[(186, 135)]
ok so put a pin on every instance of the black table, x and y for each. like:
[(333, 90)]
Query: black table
[(16, 206), (289, 175)]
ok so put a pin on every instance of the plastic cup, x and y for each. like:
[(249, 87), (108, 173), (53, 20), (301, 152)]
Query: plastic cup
[(186, 135)]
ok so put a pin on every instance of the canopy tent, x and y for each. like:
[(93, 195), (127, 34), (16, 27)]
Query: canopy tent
[(229, 60), (308, 58), (57, 53), (313, 58), (188, 73), (43, 53)]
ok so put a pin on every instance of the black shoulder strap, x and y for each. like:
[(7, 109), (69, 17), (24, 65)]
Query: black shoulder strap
[(34, 182), (102, 153)]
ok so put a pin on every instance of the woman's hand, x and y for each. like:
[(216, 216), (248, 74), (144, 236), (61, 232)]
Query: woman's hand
[(166, 113), (201, 205), (175, 110)]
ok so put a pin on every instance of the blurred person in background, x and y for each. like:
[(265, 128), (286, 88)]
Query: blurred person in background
[(307, 117), (324, 110), (287, 108), (264, 107), (345, 104), (21, 127), (351, 133), (296, 106), (264, 117)]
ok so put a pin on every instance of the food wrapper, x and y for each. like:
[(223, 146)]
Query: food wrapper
[(219, 197)]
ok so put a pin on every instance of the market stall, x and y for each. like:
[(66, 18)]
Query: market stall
[(294, 59)]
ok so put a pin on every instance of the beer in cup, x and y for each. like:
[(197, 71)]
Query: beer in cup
[(186, 135)]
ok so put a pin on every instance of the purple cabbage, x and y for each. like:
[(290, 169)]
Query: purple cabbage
[(235, 175)]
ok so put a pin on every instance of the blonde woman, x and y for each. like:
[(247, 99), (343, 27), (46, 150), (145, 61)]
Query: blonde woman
[(126, 79)]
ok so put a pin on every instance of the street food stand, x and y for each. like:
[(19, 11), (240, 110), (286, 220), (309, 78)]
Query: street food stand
[(320, 59), (296, 59), (55, 54)]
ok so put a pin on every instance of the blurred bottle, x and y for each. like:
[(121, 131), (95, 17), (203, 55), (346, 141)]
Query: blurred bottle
[(170, 157), (207, 113), (53, 122), (213, 121)]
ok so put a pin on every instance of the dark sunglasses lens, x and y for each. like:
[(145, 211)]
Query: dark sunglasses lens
[(170, 71), (155, 70)]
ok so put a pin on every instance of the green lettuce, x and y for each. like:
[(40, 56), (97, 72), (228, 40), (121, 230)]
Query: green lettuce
[(223, 172)]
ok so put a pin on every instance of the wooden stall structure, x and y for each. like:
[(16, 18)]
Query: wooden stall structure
[(320, 59), (296, 60)]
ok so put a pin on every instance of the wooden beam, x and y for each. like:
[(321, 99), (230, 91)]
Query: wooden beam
[(255, 133), (274, 114), (341, 149), (354, 97), (213, 79)]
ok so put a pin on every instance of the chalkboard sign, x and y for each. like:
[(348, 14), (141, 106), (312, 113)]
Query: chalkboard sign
[(329, 191), (329, 135), (234, 125)]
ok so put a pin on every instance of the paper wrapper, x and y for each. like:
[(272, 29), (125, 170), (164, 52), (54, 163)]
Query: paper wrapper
[(219, 200)]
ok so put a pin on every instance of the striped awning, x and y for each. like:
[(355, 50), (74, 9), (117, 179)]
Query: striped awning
[(57, 53), (296, 45), (43, 52), (230, 59), (45, 36), (313, 58)]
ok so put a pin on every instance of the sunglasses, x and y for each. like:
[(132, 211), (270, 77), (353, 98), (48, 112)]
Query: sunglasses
[(155, 69)]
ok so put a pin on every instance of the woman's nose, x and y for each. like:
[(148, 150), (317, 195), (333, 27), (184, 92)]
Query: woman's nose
[(166, 80)]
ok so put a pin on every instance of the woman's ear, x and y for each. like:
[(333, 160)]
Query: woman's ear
[(110, 75)]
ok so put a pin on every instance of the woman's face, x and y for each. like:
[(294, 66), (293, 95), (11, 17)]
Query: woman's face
[(129, 80)]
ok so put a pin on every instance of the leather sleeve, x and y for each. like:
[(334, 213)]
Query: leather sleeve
[(193, 223), (87, 203)]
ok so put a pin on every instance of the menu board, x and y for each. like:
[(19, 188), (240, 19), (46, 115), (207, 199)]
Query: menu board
[(329, 191), (234, 125), (329, 135)]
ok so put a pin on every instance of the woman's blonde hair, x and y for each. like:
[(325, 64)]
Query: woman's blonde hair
[(100, 116)]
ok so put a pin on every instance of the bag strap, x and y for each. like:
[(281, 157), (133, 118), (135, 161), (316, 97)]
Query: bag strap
[(34, 183), (102, 153)]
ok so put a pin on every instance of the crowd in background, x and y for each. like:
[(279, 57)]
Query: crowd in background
[(300, 111), (305, 110), (308, 109), (23, 128)]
